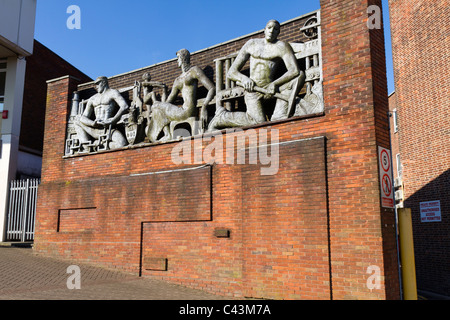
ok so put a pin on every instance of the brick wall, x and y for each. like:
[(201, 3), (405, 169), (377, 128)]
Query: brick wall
[(43, 65), (421, 49), (269, 249), (311, 231)]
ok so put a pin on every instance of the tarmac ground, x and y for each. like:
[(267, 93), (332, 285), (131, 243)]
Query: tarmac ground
[(27, 276)]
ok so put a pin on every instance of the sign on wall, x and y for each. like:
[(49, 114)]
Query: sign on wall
[(386, 183), (430, 211)]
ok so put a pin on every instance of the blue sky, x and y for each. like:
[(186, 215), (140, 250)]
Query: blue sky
[(120, 36)]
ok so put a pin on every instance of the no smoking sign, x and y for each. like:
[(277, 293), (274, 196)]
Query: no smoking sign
[(386, 185)]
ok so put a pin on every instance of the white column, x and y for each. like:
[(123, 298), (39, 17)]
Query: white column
[(10, 131)]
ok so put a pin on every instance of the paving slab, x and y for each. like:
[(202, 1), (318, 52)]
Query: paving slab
[(27, 276)]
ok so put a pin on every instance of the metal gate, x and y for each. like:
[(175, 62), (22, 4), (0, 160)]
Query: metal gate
[(22, 210)]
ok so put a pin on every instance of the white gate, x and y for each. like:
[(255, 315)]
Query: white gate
[(22, 210)]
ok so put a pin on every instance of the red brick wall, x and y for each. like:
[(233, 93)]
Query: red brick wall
[(420, 50), (311, 231), (278, 241), (43, 65)]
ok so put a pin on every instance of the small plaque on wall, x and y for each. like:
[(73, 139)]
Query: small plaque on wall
[(156, 264), (222, 233)]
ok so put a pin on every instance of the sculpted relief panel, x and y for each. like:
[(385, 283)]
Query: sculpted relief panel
[(283, 80)]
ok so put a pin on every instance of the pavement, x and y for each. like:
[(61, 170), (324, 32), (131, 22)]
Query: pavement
[(25, 275)]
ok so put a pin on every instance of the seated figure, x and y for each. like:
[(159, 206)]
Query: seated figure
[(264, 54), (103, 105), (164, 112)]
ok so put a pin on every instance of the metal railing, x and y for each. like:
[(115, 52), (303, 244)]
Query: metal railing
[(22, 210)]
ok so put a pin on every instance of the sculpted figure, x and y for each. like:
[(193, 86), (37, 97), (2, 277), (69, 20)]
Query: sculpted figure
[(163, 112), (149, 95), (264, 54), (103, 106)]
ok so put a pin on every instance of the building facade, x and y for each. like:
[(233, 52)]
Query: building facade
[(314, 229), (25, 66), (16, 43), (421, 52)]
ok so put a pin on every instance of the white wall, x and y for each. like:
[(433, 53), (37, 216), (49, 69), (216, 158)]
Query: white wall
[(17, 19), (10, 131)]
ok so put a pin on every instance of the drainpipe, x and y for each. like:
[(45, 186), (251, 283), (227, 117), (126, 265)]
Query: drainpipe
[(396, 215)]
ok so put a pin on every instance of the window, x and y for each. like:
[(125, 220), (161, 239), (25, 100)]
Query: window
[(395, 117)]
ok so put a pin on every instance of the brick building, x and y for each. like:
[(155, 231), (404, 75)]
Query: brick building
[(43, 65), (395, 149), (25, 65), (314, 230), (421, 55)]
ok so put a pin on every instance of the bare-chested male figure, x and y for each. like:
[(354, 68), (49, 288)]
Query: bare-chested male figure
[(265, 54), (104, 107), (165, 112)]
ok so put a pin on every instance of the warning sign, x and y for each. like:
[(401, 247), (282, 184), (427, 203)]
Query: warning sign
[(386, 183), (430, 211)]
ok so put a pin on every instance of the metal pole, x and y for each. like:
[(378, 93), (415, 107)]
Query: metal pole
[(25, 210), (397, 240), (407, 254)]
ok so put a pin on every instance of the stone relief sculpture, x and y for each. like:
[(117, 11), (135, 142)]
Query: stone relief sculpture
[(283, 80), (163, 113), (264, 55), (133, 121), (309, 53), (150, 97), (99, 131), (312, 102)]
